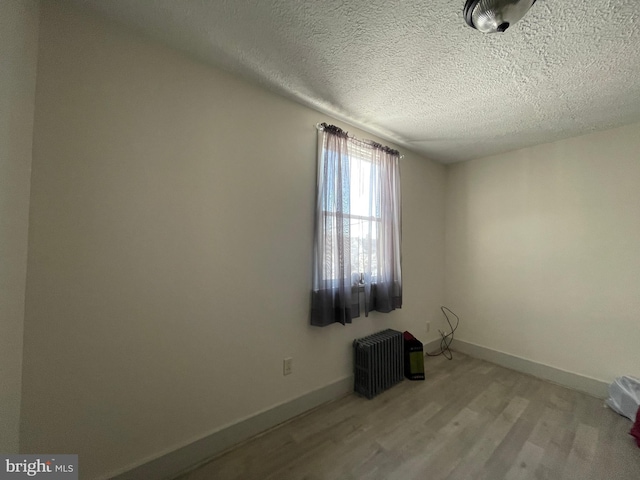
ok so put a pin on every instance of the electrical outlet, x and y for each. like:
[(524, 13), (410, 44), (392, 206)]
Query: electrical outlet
[(428, 327), (287, 366)]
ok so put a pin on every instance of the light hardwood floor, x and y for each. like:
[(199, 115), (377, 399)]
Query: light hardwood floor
[(469, 420)]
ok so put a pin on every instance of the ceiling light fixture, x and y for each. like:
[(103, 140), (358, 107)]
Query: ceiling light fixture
[(490, 16)]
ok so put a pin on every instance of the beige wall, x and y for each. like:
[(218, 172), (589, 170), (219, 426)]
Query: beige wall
[(18, 55), (542, 252), (170, 249)]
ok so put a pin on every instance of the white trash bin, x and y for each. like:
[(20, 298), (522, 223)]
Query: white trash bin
[(624, 396)]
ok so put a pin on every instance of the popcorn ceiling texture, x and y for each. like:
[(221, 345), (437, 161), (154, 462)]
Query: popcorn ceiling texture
[(413, 72)]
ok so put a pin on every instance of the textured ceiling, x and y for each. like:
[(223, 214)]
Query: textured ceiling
[(413, 72)]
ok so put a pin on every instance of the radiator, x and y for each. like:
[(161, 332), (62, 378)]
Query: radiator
[(378, 362)]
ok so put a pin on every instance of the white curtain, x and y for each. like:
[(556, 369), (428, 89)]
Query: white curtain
[(357, 230)]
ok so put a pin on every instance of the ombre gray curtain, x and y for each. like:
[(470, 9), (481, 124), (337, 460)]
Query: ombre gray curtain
[(357, 240)]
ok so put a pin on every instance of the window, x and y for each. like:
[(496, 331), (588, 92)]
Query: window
[(363, 216), (357, 235)]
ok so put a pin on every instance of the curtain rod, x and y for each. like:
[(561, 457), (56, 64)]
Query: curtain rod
[(320, 128)]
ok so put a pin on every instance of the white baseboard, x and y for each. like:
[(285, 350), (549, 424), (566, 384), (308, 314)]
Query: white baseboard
[(432, 346), (592, 386), (180, 460)]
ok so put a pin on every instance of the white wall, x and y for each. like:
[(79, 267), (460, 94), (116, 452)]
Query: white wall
[(170, 249), (542, 252), (18, 55)]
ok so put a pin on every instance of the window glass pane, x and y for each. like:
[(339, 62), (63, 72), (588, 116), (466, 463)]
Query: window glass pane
[(364, 212)]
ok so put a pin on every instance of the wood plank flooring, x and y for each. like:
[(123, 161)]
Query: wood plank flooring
[(469, 420)]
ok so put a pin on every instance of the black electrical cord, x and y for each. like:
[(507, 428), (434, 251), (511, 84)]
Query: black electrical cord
[(446, 338)]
